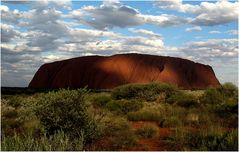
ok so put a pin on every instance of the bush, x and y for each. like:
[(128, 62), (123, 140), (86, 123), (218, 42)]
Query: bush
[(57, 142), (65, 110), (147, 131), (229, 90), (227, 141), (119, 134), (183, 100), (15, 101), (9, 118), (148, 92), (172, 122), (101, 100), (124, 106), (226, 109), (212, 96), (145, 115)]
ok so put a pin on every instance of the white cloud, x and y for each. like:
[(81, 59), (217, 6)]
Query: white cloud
[(9, 16), (8, 32), (207, 13), (177, 5), (144, 32), (164, 20), (212, 49), (114, 14), (78, 34), (232, 32), (195, 28), (214, 32), (43, 4)]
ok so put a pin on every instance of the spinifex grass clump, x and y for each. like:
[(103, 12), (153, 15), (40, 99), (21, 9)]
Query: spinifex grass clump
[(219, 141), (147, 131), (124, 106), (145, 115), (56, 142), (101, 100)]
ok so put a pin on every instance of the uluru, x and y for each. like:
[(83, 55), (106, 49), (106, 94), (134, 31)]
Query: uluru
[(106, 72)]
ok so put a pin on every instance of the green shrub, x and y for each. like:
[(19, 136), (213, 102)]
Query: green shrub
[(124, 106), (225, 109), (148, 92), (229, 90), (57, 142), (115, 125), (15, 101), (65, 110), (119, 134), (145, 115), (212, 96), (9, 118), (183, 100), (124, 140), (213, 141), (172, 122), (101, 100), (147, 131)]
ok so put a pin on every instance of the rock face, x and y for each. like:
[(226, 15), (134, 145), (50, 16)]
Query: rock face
[(100, 72)]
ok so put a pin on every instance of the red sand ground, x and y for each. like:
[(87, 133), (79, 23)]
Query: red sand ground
[(152, 144)]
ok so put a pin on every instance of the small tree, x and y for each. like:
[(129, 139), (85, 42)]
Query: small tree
[(66, 111)]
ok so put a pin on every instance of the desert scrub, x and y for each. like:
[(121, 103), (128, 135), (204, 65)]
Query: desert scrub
[(184, 100), (213, 141), (101, 100), (15, 101), (212, 97), (229, 90), (10, 118), (225, 109), (124, 106), (56, 142), (206, 139), (172, 122), (66, 110), (147, 131), (118, 133), (145, 115), (148, 92)]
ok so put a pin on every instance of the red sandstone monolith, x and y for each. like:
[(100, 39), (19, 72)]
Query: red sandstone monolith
[(104, 72)]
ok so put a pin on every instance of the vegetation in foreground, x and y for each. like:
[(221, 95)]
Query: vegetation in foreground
[(130, 117)]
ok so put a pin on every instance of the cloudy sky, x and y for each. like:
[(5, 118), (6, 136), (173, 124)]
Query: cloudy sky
[(34, 33)]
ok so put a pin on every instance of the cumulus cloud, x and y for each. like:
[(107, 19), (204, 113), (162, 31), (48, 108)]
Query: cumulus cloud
[(195, 28), (207, 13), (144, 32), (232, 32), (114, 14), (8, 32), (204, 51), (177, 5), (43, 4), (165, 20), (9, 16), (214, 32), (108, 16)]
